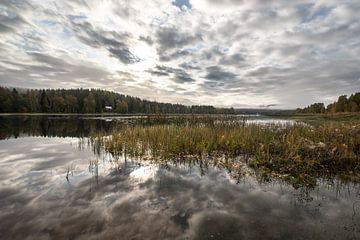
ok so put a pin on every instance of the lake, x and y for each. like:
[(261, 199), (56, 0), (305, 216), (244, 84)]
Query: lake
[(54, 184)]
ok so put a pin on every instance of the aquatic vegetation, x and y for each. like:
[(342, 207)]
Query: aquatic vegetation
[(298, 153)]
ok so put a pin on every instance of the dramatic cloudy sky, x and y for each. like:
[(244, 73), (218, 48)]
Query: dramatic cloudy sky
[(238, 53)]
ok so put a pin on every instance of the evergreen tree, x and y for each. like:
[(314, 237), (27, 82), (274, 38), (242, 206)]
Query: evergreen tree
[(89, 104), (15, 101), (44, 102)]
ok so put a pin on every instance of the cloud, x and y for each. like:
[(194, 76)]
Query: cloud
[(171, 37), (268, 105), (172, 41), (147, 39), (114, 42), (178, 75), (189, 66), (51, 71), (234, 59), (216, 73), (170, 200), (229, 53), (9, 19)]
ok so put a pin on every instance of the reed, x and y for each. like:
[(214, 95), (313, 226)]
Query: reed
[(296, 152)]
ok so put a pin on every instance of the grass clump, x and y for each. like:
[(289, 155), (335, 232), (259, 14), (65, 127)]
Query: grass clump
[(298, 153)]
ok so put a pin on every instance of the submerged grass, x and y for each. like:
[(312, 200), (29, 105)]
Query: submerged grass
[(299, 153)]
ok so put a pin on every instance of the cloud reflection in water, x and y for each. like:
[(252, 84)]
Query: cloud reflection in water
[(144, 200)]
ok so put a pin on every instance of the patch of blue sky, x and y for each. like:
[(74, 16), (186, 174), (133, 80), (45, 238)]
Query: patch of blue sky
[(193, 49), (66, 33), (48, 23), (6, 12), (309, 14), (182, 4), (77, 18), (28, 45)]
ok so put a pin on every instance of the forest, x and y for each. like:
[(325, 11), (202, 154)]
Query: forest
[(343, 104), (79, 101)]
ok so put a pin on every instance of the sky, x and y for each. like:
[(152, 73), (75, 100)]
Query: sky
[(230, 53)]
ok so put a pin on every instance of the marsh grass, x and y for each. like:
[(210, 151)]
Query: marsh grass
[(298, 153), (318, 119)]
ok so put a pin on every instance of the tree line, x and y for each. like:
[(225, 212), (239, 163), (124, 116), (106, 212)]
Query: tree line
[(343, 104), (16, 100)]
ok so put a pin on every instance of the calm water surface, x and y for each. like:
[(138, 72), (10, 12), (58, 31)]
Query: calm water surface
[(53, 186)]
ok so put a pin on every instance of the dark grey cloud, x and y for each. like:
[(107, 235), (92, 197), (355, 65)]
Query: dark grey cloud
[(157, 72), (190, 66), (172, 37), (124, 55), (147, 39), (49, 71), (178, 75), (268, 105), (212, 53), (114, 42), (5, 28), (10, 19), (183, 78), (171, 42), (217, 73), (220, 81), (268, 72)]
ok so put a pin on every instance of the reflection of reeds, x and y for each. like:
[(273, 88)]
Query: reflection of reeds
[(94, 169), (67, 175), (295, 152), (69, 171)]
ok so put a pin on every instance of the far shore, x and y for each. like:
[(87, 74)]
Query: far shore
[(118, 114), (308, 117)]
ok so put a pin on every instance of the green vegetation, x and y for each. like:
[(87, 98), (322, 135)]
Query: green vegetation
[(343, 104), (297, 153), (80, 101), (320, 118)]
